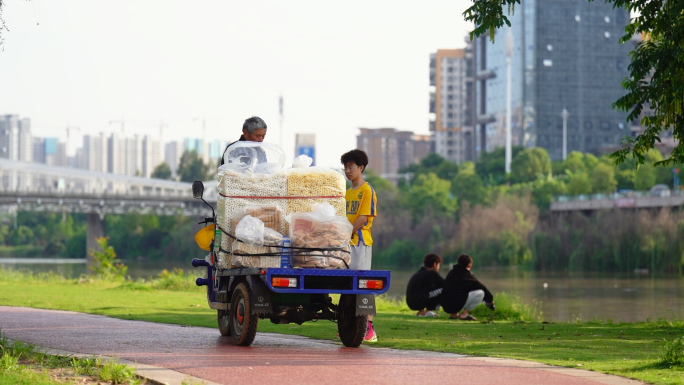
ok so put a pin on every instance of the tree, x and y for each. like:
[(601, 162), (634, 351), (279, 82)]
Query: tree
[(162, 171), (656, 71), (429, 191), (191, 167), (578, 183), (645, 177), (603, 178), (544, 189), (574, 162), (491, 167), (530, 164), (434, 163), (468, 186)]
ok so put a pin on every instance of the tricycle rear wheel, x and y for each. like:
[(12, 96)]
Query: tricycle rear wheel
[(243, 324), (224, 322), (352, 327)]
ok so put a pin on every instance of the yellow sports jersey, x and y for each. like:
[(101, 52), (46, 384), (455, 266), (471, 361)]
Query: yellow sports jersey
[(362, 201)]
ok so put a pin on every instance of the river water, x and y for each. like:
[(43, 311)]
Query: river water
[(559, 296)]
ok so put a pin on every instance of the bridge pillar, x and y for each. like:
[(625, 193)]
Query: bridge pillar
[(96, 229)]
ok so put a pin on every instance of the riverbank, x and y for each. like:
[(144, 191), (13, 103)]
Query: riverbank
[(560, 296), (632, 350)]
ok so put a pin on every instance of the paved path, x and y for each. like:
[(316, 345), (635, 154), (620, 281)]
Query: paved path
[(172, 354)]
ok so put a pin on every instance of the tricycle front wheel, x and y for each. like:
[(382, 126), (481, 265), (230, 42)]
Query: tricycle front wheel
[(243, 324)]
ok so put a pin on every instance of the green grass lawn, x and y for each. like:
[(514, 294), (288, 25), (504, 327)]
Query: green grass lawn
[(651, 351)]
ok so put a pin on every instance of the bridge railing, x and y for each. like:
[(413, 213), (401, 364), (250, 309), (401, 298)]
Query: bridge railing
[(618, 195), (24, 178)]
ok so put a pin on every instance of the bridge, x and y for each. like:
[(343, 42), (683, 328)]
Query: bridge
[(41, 188), (623, 200)]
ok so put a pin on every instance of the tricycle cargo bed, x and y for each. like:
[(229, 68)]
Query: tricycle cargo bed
[(313, 281)]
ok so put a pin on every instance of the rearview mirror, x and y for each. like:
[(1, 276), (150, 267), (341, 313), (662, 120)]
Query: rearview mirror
[(197, 189)]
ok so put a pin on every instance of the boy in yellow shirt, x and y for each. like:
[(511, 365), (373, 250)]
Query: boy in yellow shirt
[(361, 209)]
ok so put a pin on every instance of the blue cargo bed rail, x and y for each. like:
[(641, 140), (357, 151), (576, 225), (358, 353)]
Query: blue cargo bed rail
[(317, 281)]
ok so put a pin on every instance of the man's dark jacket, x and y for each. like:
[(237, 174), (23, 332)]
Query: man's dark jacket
[(458, 283), (420, 285)]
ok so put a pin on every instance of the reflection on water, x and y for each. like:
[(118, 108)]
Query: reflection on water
[(74, 268), (567, 297)]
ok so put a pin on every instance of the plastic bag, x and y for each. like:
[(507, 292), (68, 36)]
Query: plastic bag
[(253, 157), (250, 230), (326, 235), (302, 161)]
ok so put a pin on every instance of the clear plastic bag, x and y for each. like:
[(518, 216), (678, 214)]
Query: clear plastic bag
[(326, 234), (250, 230), (253, 157), (302, 161)]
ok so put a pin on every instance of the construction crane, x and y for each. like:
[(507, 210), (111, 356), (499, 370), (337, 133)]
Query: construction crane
[(119, 121)]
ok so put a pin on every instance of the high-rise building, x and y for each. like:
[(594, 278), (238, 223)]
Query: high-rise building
[(390, 150), (151, 155), (116, 151), (39, 150), (95, 153), (194, 144), (566, 55), (172, 154), (133, 151), (125, 155), (451, 100), (305, 144), (15, 138), (216, 148), (50, 151)]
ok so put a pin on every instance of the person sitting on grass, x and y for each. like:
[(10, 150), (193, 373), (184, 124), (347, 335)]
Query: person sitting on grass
[(424, 290), (462, 292)]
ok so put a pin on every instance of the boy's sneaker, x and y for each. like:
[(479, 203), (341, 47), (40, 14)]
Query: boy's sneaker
[(370, 334)]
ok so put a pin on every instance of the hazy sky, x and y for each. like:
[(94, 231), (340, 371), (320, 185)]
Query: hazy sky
[(339, 66)]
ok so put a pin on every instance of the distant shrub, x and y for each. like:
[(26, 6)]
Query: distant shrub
[(105, 266), (173, 280)]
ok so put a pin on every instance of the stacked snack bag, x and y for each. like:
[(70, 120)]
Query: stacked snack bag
[(255, 188)]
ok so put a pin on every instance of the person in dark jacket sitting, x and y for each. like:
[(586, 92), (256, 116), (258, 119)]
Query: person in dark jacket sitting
[(424, 289), (462, 291)]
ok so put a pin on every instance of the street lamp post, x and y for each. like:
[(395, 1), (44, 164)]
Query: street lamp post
[(564, 115), (509, 54)]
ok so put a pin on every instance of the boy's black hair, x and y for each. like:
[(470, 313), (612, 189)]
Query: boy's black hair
[(430, 259), (464, 260), (356, 156)]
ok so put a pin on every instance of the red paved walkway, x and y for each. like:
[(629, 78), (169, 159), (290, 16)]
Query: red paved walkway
[(273, 358)]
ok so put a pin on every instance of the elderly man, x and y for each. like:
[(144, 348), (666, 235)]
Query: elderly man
[(253, 130)]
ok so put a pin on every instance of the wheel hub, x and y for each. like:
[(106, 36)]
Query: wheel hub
[(241, 313)]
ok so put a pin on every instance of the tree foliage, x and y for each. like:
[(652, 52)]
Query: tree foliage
[(192, 168), (430, 192), (468, 186), (530, 164), (603, 179), (656, 71), (162, 171)]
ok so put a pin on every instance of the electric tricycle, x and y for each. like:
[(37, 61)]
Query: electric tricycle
[(242, 296)]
